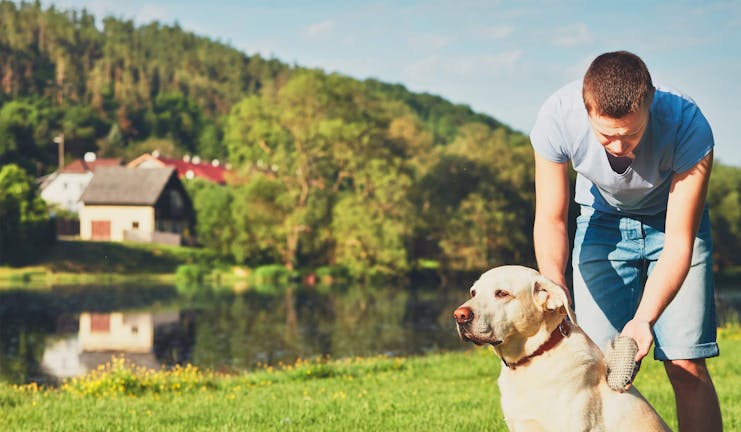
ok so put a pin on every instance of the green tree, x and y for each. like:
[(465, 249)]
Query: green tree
[(24, 221), (211, 142), (477, 201), (326, 141), (18, 119), (213, 206), (81, 127), (178, 118), (280, 136), (724, 200)]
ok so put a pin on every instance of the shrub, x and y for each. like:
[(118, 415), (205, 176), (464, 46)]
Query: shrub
[(271, 274), (191, 273)]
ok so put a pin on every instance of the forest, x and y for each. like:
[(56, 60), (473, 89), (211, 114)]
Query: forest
[(326, 170)]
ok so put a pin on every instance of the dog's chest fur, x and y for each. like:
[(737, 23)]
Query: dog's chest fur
[(535, 393)]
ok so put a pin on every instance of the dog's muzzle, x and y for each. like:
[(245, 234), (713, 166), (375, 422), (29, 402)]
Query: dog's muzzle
[(464, 319), (463, 315)]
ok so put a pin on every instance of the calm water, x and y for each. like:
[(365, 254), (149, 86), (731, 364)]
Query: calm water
[(46, 336)]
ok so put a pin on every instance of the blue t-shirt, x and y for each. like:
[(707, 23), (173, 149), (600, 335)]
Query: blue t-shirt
[(677, 137)]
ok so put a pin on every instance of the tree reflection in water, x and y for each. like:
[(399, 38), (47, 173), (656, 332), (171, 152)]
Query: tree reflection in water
[(47, 335)]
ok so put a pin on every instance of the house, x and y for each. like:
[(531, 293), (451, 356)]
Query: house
[(102, 336), (188, 168), (65, 186), (131, 204), (121, 331)]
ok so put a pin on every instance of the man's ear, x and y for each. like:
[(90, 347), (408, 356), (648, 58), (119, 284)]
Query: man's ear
[(548, 295)]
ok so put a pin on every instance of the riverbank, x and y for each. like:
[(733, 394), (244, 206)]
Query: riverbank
[(450, 391), (81, 262)]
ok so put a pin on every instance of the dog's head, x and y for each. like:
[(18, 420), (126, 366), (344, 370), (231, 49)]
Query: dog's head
[(509, 305)]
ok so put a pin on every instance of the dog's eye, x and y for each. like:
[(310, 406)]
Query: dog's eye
[(473, 293), (501, 293)]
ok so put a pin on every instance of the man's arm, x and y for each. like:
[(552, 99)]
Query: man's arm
[(550, 234), (683, 215)]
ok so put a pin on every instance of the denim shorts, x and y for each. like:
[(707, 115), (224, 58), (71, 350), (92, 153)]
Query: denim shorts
[(612, 258)]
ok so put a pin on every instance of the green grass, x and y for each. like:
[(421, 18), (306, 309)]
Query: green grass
[(113, 257), (452, 391), (80, 262)]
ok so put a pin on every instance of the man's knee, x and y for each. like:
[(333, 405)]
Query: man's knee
[(687, 372)]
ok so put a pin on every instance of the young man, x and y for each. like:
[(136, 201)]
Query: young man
[(642, 260)]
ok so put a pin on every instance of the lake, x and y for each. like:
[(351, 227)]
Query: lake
[(52, 334)]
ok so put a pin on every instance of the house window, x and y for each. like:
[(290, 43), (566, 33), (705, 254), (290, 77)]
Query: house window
[(135, 225), (176, 201)]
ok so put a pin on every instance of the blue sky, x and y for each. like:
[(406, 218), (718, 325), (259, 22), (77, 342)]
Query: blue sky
[(502, 58)]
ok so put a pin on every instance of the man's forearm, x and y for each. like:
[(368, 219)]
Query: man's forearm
[(664, 282), (551, 249), (683, 215)]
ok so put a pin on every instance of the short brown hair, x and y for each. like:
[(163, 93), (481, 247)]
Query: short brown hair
[(617, 84)]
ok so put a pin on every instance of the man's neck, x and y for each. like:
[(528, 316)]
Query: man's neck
[(619, 163)]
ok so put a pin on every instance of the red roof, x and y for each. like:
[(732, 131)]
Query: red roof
[(204, 170), (80, 166)]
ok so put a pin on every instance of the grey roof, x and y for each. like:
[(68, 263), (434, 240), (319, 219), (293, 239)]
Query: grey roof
[(126, 186)]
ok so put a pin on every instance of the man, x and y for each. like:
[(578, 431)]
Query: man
[(642, 260)]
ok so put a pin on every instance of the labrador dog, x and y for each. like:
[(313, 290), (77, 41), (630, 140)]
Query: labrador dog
[(553, 376)]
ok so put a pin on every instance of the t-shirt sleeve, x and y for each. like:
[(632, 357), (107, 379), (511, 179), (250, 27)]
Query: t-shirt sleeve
[(547, 136), (694, 138)]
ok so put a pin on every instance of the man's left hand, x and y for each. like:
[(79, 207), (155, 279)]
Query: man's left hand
[(640, 331)]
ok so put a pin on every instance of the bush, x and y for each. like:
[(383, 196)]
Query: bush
[(191, 273), (271, 274), (332, 274)]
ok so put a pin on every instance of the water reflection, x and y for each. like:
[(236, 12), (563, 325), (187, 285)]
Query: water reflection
[(46, 336), (34, 322), (101, 335), (51, 335)]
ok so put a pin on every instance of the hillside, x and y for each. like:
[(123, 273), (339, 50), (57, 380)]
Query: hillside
[(110, 87), (328, 171)]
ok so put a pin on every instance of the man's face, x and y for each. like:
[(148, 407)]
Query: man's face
[(620, 137)]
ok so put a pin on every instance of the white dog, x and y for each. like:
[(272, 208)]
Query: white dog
[(553, 376)]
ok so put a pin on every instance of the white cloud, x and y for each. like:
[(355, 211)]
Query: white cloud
[(320, 30), (470, 67), (573, 35)]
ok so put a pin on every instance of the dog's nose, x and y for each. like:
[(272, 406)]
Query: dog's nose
[(463, 314)]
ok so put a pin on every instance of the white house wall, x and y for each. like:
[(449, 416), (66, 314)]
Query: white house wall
[(122, 219), (65, 190), (130, 332)]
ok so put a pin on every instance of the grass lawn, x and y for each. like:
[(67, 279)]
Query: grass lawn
[(74, 261), (452, 391), (114, 257)]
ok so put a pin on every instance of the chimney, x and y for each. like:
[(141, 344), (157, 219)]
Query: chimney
[(59, 139)]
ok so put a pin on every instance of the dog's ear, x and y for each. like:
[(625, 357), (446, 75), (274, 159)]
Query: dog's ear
[(551, 296)]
